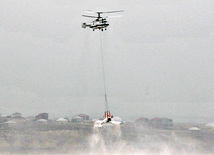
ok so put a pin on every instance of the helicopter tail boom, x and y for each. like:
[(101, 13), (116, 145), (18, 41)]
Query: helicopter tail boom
[(84, 25)]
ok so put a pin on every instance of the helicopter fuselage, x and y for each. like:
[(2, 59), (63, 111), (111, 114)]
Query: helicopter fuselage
[(96, 25)]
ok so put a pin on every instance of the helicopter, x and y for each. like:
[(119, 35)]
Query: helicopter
[(99, 23)]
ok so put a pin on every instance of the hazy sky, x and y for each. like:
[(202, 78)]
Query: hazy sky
[(158, 56)]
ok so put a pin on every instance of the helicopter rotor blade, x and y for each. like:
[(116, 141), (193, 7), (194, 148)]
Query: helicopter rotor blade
[(89, 16), (114, 16), (112, 11), (89, 11)]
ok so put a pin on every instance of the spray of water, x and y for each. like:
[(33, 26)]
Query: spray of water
[(106, 141)]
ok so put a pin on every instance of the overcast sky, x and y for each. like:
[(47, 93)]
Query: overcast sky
[(159, 58)]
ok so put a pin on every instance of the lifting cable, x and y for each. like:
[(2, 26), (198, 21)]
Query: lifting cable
[(104, 80)]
